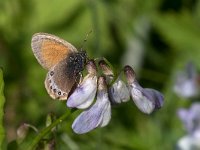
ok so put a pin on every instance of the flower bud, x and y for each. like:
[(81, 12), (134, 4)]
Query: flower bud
[(91, 67), (107, 71), (130, 74), (22, 131)]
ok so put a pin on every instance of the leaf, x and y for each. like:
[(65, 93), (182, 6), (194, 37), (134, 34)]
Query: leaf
[(2, 101), (181, 31)]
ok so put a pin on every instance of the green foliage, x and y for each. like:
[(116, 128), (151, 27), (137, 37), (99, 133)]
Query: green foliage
[(156, 37), (2, 101)]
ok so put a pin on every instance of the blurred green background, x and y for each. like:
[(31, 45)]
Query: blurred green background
[(156, 38)]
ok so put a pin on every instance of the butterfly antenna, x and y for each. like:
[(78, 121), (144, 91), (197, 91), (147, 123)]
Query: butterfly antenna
[(85, 40)]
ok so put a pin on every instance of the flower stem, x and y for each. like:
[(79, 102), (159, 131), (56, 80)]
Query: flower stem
[(2, 102), (46, 130)]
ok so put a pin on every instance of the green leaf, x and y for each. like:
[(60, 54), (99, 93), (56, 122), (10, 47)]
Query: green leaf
[(180, 30), (2, 101), (34, 143)]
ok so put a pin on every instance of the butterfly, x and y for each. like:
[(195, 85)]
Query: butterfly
[(63, 62)]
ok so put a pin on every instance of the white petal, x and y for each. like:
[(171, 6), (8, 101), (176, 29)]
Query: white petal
[(90, 118), (84, 94), (119, 92), (106, 115), (188, 142), (141, 101)]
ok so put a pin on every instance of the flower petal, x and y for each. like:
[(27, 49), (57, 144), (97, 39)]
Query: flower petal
[(183, 114), (119, 92), (186, 84), (155, 96), (84, 94), (97, 115), (191, 118), (186, 88), (188, 142), (145, 99), (106, 115), (143, 102)]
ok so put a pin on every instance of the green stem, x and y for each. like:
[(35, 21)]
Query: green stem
[(2, 101), (46, 130)]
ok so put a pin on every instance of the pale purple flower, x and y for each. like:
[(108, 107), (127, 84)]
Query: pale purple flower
[(154, 95), (84, 94), (186, 83), (191, 118), (98, 115), (146, 99), (191, 121), (188, 142), (118, 91)]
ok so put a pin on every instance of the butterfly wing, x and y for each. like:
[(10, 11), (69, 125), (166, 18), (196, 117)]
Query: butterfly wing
[(61, 79), (50, 50)]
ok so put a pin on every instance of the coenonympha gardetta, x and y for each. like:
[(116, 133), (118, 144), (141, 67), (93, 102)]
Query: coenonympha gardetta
[(63, 61)]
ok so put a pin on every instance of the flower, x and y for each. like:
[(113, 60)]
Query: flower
[(186, 82), (118, 91), (191, 121), (22, 131), (191, 118), (84, 94), (107, 90), (188, 142), (146, 99), (107, 71), (98, 115)]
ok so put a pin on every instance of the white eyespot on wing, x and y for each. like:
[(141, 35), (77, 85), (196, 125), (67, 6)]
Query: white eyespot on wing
[(52, 89), (63, 80)]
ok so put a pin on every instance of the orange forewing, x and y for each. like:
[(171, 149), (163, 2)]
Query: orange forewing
[(50, 50)]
